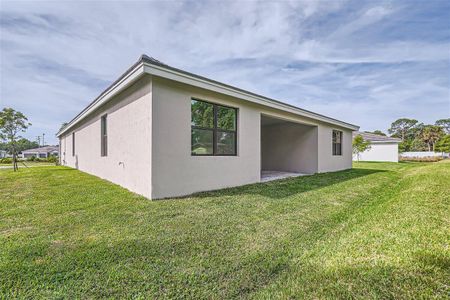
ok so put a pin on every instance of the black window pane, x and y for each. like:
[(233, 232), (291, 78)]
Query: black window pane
[(226, 142), (202, 114), (103, 130), (201, 141), (226, 118)]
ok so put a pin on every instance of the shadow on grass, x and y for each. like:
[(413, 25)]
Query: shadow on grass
[(287, 187)]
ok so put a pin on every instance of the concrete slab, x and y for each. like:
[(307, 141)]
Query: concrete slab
[(276, 175)]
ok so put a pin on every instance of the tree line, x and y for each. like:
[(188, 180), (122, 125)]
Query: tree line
[(417, 136)]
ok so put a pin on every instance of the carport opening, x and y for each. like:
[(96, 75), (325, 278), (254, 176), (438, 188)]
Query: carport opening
[(287, 148)]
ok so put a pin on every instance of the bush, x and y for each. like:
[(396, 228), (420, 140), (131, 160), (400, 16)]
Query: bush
[(422, 159), (32, 158), (52, 159), (6, 160)]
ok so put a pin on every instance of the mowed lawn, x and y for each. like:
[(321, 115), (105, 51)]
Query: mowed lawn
[(380, 230)]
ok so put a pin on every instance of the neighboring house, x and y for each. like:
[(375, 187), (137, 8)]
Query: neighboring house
[(382, 148), (3, 153), (42, 152), (163, 132)]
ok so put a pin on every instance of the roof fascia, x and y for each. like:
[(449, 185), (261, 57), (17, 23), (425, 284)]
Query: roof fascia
[(128, 78), (237, 93)]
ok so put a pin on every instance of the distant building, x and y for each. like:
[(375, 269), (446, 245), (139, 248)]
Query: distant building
[(42, 152), (382, 148), (3, 153)]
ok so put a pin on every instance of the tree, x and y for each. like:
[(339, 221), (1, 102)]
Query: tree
[(379, 132), (360, 145), (444, 124), (25, 144), (443, 145), (11, 124), (401, 127), (431, 134), (63, 125), (417, 145)]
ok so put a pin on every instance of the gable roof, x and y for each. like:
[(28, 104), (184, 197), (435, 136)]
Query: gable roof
[(149, 65), (376, 138)]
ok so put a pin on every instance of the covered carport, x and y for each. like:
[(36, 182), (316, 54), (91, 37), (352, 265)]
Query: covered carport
[(287, 148)]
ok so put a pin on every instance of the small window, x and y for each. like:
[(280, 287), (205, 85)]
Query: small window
[(104, 136), (73, 143), (337, 142), (213, 129)]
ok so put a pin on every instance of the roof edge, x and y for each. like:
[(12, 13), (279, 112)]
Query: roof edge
[(145, 60)]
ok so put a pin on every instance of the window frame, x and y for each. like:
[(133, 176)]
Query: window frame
[(104, 135), (216, 129), (334, 144), (73, 143)]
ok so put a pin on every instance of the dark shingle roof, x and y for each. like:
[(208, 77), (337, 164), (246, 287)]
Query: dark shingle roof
[(372, 137)]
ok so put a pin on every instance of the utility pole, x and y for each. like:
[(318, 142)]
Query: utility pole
[(43, 141), (38, 140)]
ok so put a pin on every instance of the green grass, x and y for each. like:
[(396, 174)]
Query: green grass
[(380, 230), (28, 164)]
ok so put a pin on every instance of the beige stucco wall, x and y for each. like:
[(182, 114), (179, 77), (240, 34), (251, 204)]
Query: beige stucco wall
[(149, 142), (128, 162), (176, 172), (289, 147), (380, 152), (327, 161)]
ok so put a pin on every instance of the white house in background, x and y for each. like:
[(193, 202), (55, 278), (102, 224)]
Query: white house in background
[(3, 153), (382, 148), (163, 132), (42, 152)]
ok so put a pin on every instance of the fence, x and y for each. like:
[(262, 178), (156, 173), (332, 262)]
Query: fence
[(422, 154)]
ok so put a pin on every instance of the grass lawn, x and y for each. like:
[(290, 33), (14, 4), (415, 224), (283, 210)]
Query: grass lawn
[(28, 164), (380, 230)]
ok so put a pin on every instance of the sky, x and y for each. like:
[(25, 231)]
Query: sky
[(363, 62)]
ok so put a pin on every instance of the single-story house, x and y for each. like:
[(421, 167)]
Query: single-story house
[(162, 132), (41, 152), (3, 153), (382, 148)]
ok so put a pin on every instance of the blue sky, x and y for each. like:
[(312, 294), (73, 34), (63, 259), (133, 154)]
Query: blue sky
[(366, 63)]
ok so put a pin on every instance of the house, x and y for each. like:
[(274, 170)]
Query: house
[(42, 152), (162, 132), (3, 153), (382, 148)]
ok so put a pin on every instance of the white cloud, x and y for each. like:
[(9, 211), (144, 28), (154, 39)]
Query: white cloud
[(57, 56)]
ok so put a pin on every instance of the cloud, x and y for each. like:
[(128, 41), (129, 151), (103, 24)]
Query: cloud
[(362, 62)]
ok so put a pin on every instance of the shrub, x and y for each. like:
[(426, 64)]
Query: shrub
[(32, 158), (6, 160), (52, 159), (422, 159)]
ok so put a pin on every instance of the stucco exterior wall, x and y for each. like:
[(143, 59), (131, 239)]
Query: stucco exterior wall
[(380, 152), (289, 147), (128, 162), (177, 173), (149, 142), (327, 161)]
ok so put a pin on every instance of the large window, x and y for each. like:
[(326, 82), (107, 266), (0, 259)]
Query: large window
[(337, 142), (104, 136), (73, 143), (213, 129)]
